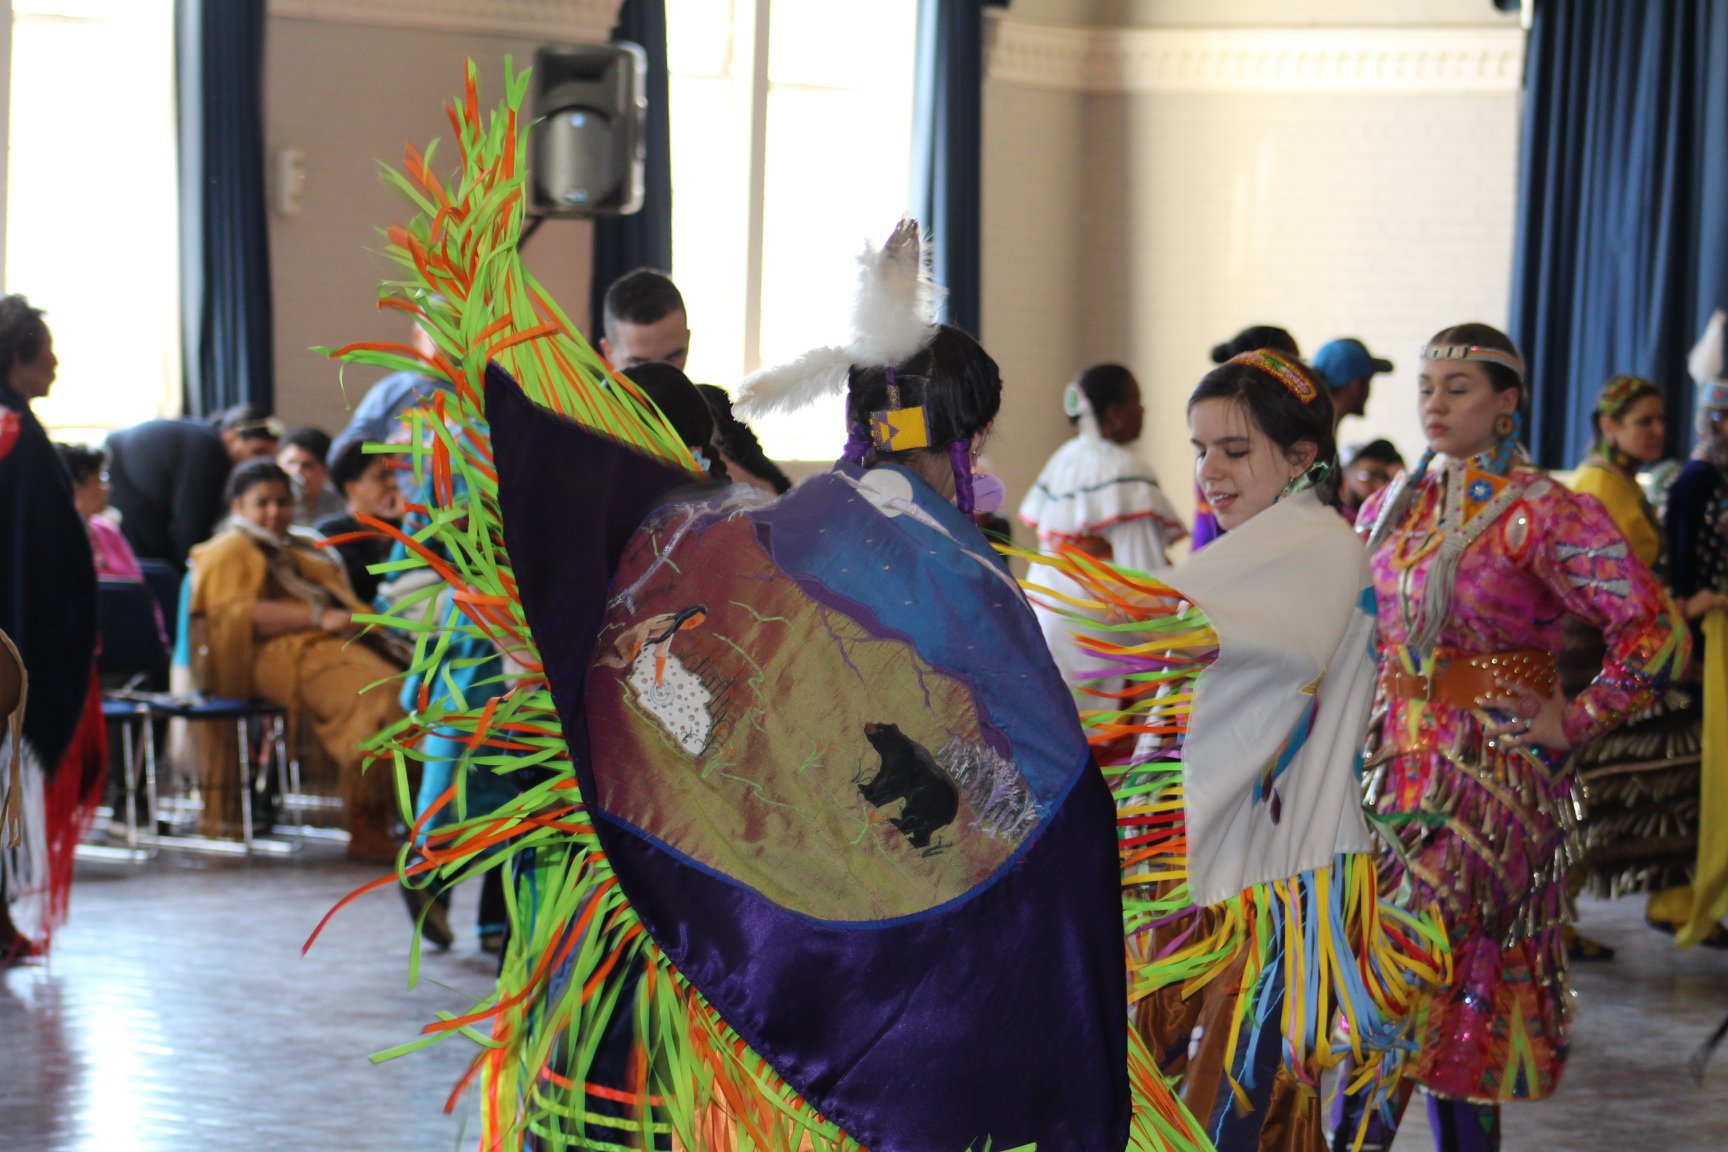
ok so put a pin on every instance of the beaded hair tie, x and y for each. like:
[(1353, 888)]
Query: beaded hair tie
[(1286, 373), (1476, 352)]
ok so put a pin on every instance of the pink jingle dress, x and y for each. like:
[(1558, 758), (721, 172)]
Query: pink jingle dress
[(1485, 831)]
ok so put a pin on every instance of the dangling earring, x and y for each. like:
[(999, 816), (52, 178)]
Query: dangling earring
[(1619, 458), (1507, 426)]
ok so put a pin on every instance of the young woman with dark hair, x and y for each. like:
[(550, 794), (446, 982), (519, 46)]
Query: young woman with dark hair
[(1478, 558), (273, 617), (1642, 781), (1250, 339), (1248, 866), (1096, 494), (1254, 337)]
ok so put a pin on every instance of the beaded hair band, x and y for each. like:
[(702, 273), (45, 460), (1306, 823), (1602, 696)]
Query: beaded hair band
[(1286, 373), (1619, 393), (897, 429), (1476, 352)]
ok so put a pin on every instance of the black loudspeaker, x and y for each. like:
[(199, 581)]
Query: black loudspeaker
[(586, 144)]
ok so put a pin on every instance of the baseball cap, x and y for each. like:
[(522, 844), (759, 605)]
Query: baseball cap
[(1341, 362)]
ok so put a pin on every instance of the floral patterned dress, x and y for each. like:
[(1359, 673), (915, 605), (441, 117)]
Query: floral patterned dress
[(1484, 830)]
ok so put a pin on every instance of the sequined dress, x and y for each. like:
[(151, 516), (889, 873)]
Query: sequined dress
[(1485, 831)]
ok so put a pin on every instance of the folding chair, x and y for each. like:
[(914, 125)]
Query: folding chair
[(131, 656), (164, 580), (200, 709), (196, 708)]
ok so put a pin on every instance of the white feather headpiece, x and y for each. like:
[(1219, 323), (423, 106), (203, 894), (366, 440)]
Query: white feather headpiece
[(1705, 361), (893, 319)]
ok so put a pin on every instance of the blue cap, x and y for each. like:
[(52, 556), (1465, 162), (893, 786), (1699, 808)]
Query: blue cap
[(1341, 363)]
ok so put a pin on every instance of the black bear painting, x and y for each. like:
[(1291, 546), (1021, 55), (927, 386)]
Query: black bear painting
[(909, 772)]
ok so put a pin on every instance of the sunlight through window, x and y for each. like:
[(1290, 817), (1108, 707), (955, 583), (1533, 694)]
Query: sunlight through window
[(92, 212), (826, 143)]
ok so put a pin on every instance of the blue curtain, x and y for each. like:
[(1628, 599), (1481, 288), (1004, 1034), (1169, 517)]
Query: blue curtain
[(225, 305), (948, 148), (1622, 228), (644, 239)]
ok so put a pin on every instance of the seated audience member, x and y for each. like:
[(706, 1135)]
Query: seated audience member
[(274, 620), (114, 561), (367, 488), (1368, 469), (644, 321), (378, 416), (114, 557), (302, 455)]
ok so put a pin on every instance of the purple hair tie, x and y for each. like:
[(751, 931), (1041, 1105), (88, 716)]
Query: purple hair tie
[(960, 457), (857, 443)]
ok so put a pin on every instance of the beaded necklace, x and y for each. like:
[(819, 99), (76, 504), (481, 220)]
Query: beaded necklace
[(1473, 494)]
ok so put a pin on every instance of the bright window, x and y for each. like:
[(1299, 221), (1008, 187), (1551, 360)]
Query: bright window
[(92, 211), (782, 166)]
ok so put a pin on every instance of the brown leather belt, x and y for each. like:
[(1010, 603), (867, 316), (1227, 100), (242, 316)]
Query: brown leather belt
[(1462, 681)]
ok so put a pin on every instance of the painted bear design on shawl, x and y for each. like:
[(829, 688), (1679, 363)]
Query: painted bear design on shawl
[(910, 773)]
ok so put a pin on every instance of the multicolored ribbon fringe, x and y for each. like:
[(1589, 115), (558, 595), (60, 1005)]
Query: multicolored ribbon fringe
[(1349, 960), (578, 958)]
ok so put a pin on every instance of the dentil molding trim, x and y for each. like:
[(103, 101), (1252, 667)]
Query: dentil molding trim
[(1130, 60), (541, 19)]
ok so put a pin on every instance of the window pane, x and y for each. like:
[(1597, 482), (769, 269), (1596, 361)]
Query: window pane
[(699, 37), (839, 163), (865, 45), (92, 210), (708, 224), (838, 158)]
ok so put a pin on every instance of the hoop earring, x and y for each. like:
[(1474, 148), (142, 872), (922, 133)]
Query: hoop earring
[(1506, 425)]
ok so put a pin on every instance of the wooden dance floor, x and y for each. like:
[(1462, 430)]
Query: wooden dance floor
[(178, 1015)]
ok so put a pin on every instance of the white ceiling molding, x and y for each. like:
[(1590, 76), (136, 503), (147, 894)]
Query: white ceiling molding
[(1129, 60), (578, 20)]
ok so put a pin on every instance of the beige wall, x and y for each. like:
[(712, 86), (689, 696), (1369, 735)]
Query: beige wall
[(1328, 214), (1298, 13), (1206, 200), (1032, 269), (350, 95)]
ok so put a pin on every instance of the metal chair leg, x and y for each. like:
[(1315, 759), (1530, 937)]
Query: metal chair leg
[(245, 781), (129, 765), (150, 813)]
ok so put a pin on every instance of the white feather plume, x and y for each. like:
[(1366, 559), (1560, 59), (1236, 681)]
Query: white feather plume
[(892, 320), (892, 313), (790, 386), (1705, 362)]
